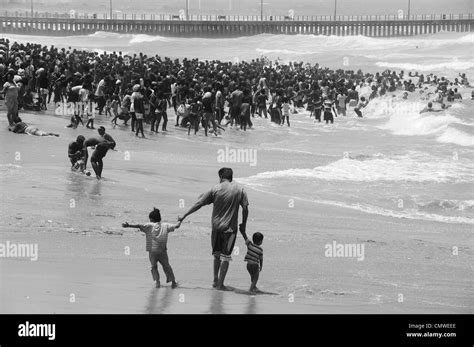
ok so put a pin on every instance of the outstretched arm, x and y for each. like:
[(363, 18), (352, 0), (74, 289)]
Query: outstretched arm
[(175, 226), (126, 225)]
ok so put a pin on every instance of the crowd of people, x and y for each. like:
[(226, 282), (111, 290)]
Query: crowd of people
[(214, 94), (143, 89)]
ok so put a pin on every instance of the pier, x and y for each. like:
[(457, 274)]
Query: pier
[(233, 26)]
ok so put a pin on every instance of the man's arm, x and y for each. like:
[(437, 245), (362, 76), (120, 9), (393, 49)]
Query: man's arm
[(244, 235), (205, 199), (261, 263), (193, 209), (245, 214), (245, 210)]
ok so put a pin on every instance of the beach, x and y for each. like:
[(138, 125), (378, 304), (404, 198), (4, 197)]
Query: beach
[(85, 256), (397, 182)]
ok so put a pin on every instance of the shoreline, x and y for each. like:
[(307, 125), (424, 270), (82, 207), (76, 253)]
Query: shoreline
[(88, 260)]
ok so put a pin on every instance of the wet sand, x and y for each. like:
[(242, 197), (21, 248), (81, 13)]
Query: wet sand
[(84, 251)]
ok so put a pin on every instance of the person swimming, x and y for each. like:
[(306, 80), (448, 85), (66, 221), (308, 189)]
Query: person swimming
[(429, 108)]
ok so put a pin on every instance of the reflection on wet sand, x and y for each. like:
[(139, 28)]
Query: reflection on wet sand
[(95, 193), (157, 302), (76, 185), (217, 300), (251, 305)]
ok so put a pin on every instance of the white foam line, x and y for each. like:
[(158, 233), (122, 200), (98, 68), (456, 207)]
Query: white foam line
[(381, 211)]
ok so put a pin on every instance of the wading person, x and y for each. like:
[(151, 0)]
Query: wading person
[(226, 197), (11, 98), (75, 153)]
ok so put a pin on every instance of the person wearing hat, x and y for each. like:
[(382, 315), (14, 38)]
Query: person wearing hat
[(118, 83)]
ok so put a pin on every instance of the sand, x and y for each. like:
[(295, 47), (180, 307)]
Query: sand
[(88, 264)]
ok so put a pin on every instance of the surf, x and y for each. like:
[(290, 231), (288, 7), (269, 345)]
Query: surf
[(411, 167)]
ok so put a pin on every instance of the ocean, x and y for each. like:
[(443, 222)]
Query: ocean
[(369, 164)]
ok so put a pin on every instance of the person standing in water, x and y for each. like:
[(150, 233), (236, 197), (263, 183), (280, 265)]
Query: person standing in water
[(220, 102), (139, 109), (75, 152), (208, 111), (227, 197), (86, 105), (341, 103), (286, 111), (254, 258), (97, 156), (10, 89), (362, 103), (328, 106), (106, 136), (262, 103), (101, 147)]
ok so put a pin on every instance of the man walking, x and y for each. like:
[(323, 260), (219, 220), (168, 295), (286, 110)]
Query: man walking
[(226, 198)]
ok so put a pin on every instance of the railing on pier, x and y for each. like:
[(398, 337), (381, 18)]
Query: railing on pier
[(224, 26), (237, 18)]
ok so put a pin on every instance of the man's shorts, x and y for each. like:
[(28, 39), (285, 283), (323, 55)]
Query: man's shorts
[(223, 244)]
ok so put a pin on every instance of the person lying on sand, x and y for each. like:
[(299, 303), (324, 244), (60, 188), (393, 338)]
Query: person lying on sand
[(23, 128)]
